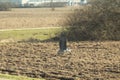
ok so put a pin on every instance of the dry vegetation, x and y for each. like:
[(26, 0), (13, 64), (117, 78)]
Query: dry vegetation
[(87, 61), (32, 17), (98, 21)]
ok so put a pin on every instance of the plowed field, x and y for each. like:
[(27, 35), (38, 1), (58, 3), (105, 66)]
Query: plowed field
[(86, 61)]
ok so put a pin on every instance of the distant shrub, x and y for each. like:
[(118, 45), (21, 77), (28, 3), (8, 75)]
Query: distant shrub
[(5, 6), (98, 21)]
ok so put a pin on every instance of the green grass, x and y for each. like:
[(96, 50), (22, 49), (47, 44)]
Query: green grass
[(39, 34), (11, 77)]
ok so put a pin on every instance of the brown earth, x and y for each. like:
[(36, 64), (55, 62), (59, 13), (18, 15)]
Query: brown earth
[(87, 61), (20, 18)]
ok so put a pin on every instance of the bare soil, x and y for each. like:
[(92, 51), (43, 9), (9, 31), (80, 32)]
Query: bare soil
[(87, 61), (32, 18)]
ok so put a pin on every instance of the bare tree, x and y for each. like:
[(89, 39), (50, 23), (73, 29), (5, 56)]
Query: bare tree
[(98, 21)]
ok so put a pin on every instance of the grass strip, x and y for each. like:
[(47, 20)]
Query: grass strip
[(12, 77), (19, 35)]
